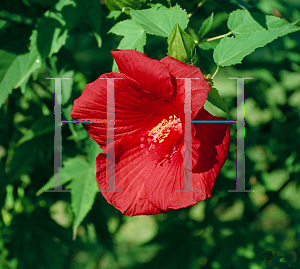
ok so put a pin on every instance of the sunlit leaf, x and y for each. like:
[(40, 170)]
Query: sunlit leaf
[(232, 50), (134, 37), (163, 26), (243, 22)]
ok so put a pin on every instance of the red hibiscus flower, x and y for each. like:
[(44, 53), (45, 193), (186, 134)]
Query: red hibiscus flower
[(149, 134)]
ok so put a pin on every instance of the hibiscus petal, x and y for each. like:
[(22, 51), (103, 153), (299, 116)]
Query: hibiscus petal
[(142, 100), (136, 110), (132, 169), (214, 145), (136, 113), (200, 87), (215, 142), (149, 73)]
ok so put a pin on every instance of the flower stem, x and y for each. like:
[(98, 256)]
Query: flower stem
[(214, 38), (215, 72), (198, 6)]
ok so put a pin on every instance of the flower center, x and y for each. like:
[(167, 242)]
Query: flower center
[(162, 131)]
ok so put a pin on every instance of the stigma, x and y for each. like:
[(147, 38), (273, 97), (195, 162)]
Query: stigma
[(167, 130)]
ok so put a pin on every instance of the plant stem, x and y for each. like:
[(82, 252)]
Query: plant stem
[(214, 38), (199, 5), (215, 72), (170, 4)]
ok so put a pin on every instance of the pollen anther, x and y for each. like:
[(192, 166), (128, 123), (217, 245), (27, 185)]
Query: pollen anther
[(160, 132)]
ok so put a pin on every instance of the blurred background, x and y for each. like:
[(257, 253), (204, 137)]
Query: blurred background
[(255, 230)]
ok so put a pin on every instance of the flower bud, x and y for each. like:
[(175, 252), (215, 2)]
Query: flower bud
[(181, 45)]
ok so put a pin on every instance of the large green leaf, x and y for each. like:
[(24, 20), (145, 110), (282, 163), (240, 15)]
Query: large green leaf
[(83, 193), (243, 22), (11, 68), (13, 58), (49, 35), (160, 20), (232, 50), (134, 37)]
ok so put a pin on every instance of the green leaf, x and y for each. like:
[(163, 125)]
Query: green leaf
[(160, 20), (12, 66), (214, 98), (93, 11), (181, 45), (243, 22), (83, 193), (120, 4), (72, 168), (134, 37), (206, 26), (231, 51), (49, 35)]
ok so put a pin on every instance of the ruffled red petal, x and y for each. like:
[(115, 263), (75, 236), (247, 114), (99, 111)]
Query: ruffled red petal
[(200, 87), (164, 181), (132, 169), (149, 73), (136, 110)]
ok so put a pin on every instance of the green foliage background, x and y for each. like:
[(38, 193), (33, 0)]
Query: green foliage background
[(41, 39)]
